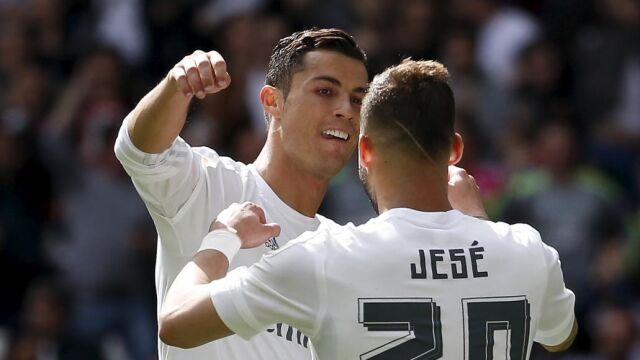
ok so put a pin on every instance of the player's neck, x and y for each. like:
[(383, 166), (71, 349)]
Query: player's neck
[(298, 188), (423, 192)]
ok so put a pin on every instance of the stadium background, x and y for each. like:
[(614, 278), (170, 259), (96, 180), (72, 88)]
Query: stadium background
[(548, 100)]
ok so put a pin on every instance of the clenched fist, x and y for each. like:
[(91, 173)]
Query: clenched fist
[(200, 73)]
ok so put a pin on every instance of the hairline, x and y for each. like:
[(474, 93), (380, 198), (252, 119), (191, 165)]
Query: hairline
[(302, 66)]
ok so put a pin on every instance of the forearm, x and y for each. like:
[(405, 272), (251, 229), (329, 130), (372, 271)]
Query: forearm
[(187, 317), (206, 266), (158, 118)]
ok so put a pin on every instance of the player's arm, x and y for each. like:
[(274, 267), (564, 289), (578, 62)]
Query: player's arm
[(567, 342), (180, 186), (158, 118), (557, 326), (188, 317)]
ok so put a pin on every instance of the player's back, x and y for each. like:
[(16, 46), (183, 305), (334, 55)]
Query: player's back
[(411, 285)]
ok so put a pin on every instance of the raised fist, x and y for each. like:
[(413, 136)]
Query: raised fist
[(200, 73)]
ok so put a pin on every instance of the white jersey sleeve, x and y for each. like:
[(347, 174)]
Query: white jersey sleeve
[(557, 317), (285, 286), (180, 180)]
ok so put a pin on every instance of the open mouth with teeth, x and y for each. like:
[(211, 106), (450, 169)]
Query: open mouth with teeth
[(335, 135)]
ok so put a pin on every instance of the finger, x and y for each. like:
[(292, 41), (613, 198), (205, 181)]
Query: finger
[(219, 69), (225, 82), (249, 206), (260, 213), (246, 205), (193, 76), (274, 229), (205, 70), (180, 76)]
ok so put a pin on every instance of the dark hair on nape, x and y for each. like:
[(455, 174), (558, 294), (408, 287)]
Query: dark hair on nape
[(410, 107), (287, 57)]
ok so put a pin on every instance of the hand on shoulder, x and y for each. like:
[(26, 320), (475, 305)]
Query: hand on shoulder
[(248, 221)]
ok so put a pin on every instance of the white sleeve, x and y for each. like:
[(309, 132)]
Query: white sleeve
[(557, 317), (182, 187), (285, 286)]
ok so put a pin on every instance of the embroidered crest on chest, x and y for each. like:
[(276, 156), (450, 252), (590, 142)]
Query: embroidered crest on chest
[(272, 244)]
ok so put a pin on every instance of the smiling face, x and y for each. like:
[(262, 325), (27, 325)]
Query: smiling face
[(320, 116)]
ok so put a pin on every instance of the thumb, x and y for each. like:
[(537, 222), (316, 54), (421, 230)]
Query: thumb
[(273, 229)]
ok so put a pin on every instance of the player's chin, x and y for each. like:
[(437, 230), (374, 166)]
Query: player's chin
[(334, 154), (331, 165)]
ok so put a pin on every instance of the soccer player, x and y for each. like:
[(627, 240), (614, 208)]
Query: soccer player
[(315, 83), (420, 281)]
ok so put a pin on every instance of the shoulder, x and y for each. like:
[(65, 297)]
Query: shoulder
[(526, 232), (527, 236), (315, 243), (329, 226), (210, 158), (224, 171), (294, 263), (519, 233)]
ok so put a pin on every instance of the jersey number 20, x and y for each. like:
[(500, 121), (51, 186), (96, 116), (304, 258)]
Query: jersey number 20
[(486, 320)]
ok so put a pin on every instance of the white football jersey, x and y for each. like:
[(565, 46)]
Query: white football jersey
[(184, 189), (407, 285)]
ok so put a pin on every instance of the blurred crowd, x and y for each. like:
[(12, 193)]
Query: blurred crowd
[(548, 102)]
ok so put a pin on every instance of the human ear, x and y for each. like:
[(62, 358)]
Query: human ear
[(269, 99), (365, 151), (457, 148)]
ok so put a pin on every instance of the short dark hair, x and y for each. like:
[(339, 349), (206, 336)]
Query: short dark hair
[(287, 56), (411, 105)]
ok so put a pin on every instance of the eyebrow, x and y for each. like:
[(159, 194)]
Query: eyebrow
[(337, 82)]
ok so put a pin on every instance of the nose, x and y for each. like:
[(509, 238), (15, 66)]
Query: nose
[(344, 109)]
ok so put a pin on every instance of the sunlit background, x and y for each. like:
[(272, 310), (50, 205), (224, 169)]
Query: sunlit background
[(548, 101)]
